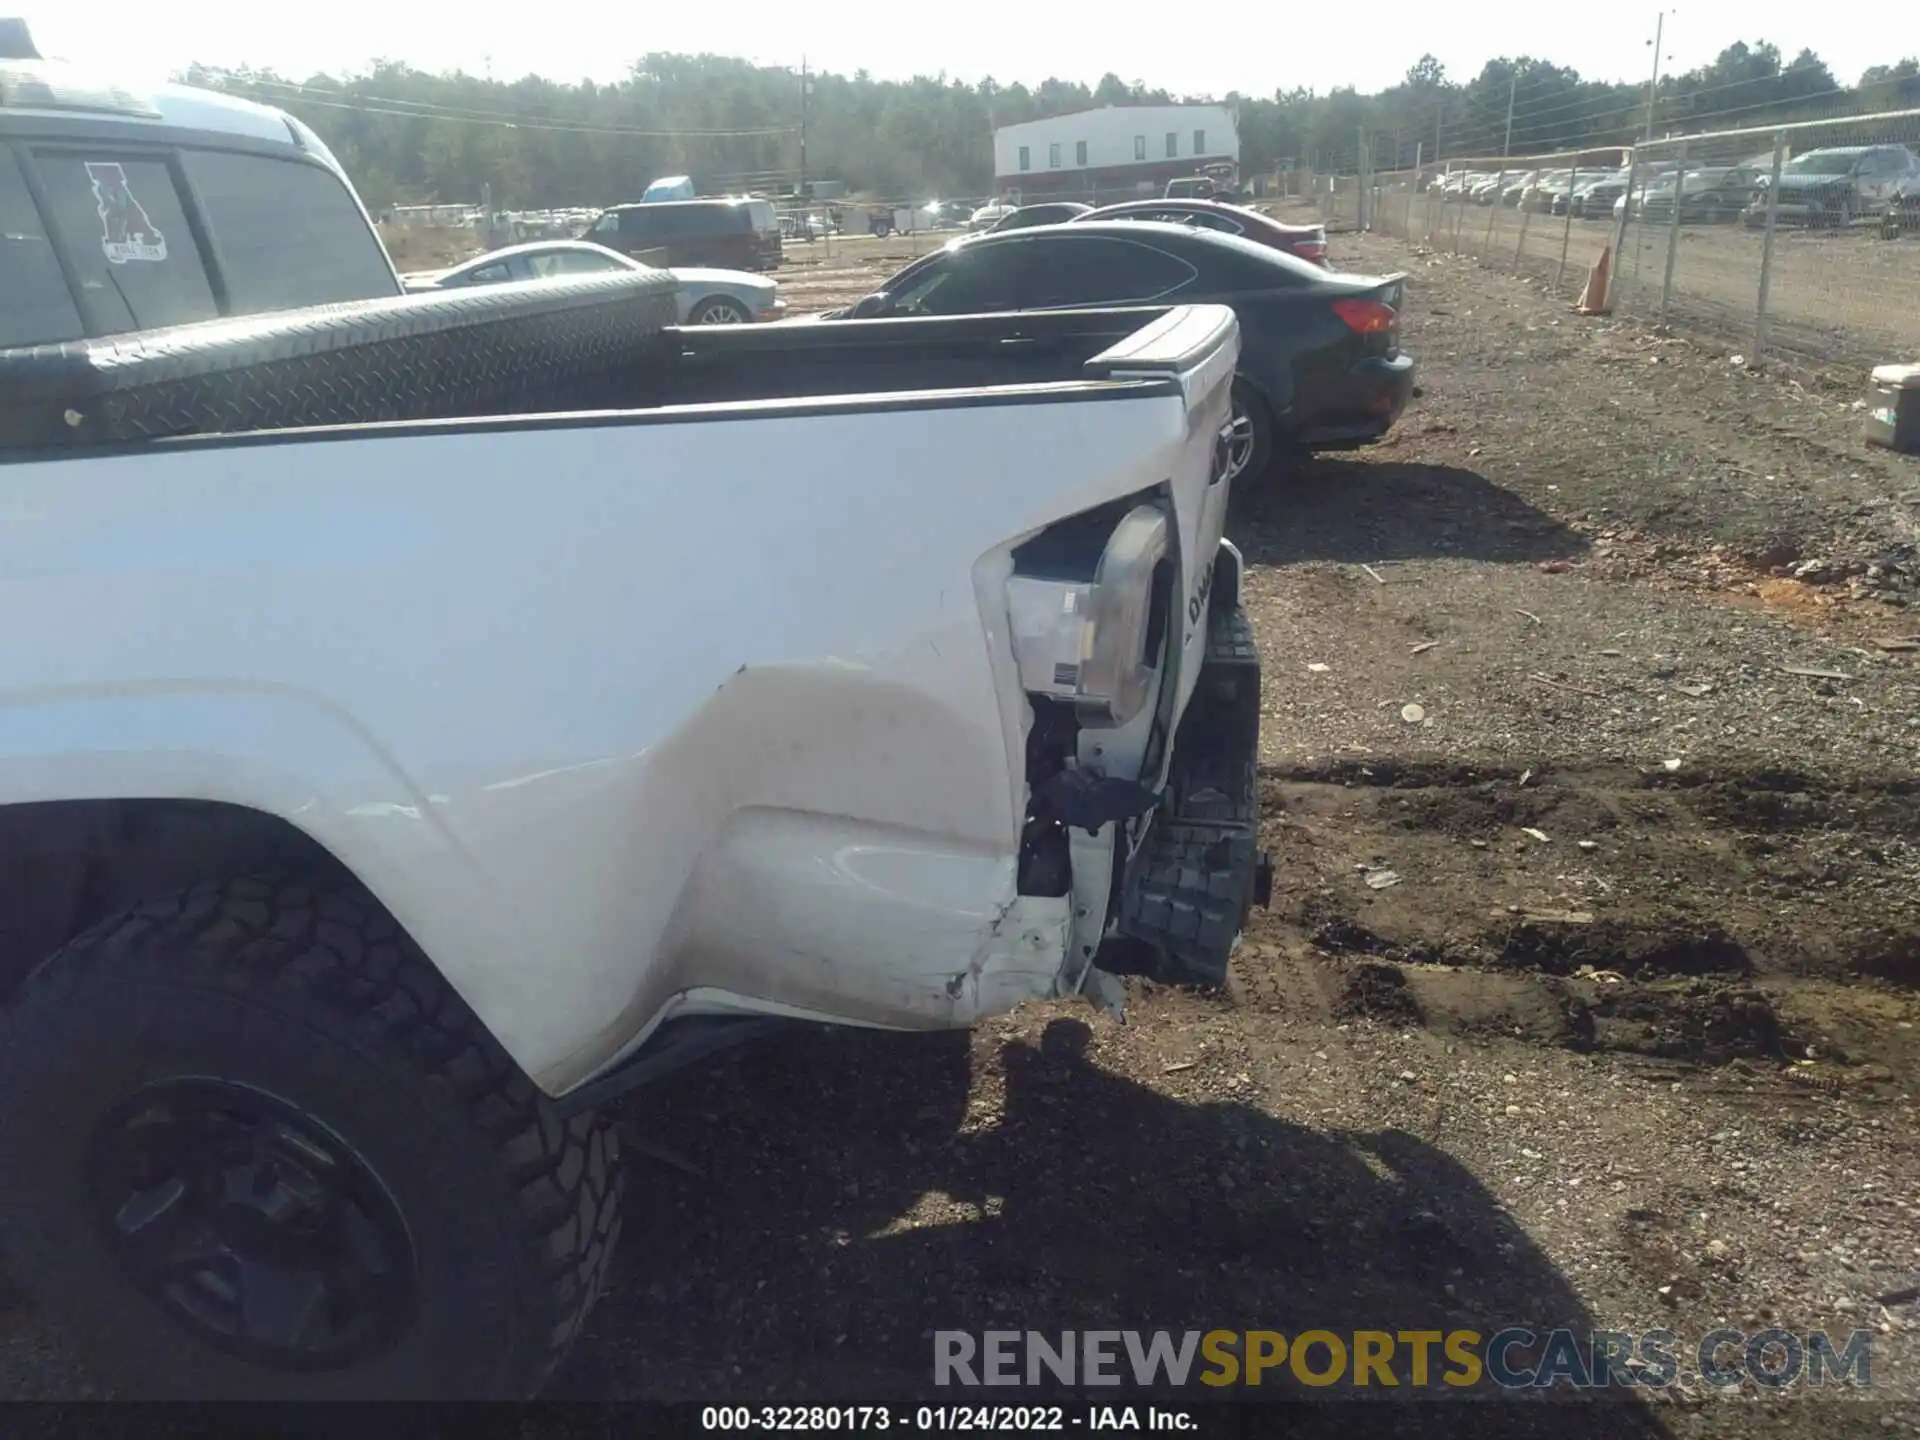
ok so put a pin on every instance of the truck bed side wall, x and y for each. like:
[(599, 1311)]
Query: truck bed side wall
[(527, 678)]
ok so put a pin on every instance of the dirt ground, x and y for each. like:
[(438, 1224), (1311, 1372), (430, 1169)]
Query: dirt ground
[(429, 247), (1589, 990), (1830, 293)]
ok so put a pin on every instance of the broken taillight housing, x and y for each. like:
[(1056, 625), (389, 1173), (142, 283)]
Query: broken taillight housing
[(1094, 643)]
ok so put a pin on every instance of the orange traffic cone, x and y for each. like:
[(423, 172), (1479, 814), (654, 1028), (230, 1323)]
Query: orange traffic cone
[(1593, 299)]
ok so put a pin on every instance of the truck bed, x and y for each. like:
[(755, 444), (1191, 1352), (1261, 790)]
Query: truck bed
[(598, 343), (583, 695)]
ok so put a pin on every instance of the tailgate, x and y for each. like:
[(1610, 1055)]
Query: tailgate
[(1199, 345), (1191, 866)]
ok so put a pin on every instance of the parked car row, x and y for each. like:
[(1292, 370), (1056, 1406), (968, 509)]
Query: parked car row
[(1832, 186), (1703, 196), (1594, 197)]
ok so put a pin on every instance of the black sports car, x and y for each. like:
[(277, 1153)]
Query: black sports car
[(1320, 361)]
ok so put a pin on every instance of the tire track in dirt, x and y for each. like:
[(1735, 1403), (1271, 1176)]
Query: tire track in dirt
[(1705, 916)]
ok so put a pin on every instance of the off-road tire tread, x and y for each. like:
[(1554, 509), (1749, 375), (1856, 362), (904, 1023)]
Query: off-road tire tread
[(1230, 639), (1187, 903), (339, 947), (1190, 887)]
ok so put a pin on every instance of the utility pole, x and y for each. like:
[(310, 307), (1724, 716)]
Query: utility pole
[(1513, 91), (806, 92), (1653, 86)]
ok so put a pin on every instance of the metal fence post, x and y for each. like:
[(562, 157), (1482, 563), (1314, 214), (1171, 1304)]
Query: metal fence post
[(1362, 182), (1459, 221), (1493, 214), (1419, 156), (1673, 230), (1566, 231), (1520, 245), (1620, 232), (1766, 249)]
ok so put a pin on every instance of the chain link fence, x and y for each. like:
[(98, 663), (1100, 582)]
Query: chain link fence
[(1801, 240)]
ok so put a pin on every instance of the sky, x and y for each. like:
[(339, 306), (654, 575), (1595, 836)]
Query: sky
[(1253, 48)]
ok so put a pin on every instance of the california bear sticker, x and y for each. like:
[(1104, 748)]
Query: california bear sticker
[(126, 231)]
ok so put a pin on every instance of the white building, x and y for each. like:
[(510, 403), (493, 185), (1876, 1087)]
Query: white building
[(1114, 149)]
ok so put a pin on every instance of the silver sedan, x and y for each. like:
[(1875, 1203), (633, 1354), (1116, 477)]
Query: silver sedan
[(706, 297)]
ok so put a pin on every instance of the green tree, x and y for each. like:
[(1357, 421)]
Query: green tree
[(409, 136)]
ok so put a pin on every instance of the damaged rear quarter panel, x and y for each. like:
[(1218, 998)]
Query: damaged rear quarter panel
[(620, 690)]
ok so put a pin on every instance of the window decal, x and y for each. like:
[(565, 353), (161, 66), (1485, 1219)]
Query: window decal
[(126, 231)]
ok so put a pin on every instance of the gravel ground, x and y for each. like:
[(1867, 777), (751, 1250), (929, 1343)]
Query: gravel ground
[(1830, 291), (1588, 995)]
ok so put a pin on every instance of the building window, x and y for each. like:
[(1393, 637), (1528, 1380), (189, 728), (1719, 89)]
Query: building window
[(1080, 153), (1173, 144), (1053, 157), (1199, 142), (1026, 158)]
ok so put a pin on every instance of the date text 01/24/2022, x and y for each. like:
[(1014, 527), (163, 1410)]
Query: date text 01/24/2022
[(935, 1418)]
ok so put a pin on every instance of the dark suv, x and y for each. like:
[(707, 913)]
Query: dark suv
[(729, 234), (1837, 185)]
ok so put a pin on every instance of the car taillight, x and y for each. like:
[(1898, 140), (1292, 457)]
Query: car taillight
[(1313, 250), (1367, 317)]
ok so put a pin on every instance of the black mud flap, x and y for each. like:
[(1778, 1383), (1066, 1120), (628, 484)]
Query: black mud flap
[(1189, 888)]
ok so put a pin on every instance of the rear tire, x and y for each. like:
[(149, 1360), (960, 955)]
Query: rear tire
[(255, 1148), (1251, 447)]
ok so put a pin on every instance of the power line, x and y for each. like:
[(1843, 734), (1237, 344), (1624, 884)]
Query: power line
[(1619, 99), (293, 93), (1627, 125)]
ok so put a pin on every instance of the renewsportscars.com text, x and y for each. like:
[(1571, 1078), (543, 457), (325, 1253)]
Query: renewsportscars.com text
[(1513, 1358)]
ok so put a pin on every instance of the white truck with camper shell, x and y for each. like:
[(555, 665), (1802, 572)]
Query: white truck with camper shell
[(423, 719)]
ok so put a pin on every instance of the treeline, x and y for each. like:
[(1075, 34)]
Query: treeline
[(407, 136)]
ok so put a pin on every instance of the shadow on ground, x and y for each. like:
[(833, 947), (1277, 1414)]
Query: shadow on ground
[(861, 1191), (1346, 509)]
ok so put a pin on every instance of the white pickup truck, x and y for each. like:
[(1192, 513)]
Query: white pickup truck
[(423, 719)]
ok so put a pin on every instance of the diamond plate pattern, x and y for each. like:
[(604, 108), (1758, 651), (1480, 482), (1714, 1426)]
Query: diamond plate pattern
[(551, 345)]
